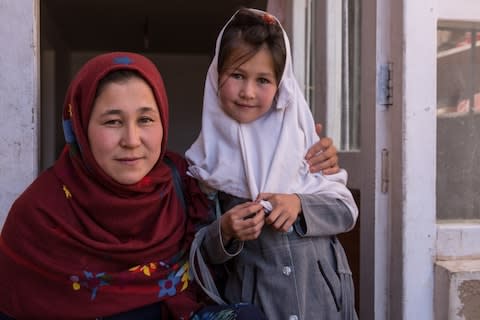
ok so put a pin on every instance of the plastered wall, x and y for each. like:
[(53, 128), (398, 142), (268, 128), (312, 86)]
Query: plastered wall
[(19, 108)]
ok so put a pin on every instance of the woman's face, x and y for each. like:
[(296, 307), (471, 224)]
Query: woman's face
[(125, 130), (247, 91)]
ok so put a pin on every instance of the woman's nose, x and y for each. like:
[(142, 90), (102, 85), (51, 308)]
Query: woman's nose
[(131, 136)]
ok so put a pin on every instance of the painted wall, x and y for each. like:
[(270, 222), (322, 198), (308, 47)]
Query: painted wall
[(19, 93)]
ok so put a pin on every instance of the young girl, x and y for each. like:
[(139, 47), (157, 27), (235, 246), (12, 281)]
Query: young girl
[(280, 252)]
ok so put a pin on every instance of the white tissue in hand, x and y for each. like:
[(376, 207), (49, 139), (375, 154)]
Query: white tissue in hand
[(267, 206)]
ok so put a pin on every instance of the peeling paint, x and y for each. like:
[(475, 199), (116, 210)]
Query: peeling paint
[(469, 294)]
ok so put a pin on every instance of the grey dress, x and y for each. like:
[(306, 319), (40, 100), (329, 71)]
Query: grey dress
[(301, 274)]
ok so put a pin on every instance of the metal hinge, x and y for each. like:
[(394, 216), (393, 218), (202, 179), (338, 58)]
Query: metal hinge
[(385, 171), (385, 85)]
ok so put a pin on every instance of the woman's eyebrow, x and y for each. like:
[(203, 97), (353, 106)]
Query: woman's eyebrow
[(147, 109), (119, 111), (111, 112)]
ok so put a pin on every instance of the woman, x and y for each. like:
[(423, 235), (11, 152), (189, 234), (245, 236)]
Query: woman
[(103, 231)]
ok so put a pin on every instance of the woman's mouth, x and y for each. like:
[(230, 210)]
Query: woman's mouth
[(129, 161)]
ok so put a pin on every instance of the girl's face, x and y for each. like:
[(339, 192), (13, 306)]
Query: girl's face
[(247, 91), (125, 130)]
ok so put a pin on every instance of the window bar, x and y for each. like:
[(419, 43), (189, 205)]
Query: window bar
[(309, 34), (345, 96), (473, 70)]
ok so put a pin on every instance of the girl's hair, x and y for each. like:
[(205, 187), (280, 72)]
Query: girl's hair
[(250, 29), (117, 76)]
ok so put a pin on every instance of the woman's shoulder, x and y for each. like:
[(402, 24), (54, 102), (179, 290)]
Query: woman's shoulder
[(179, 161)]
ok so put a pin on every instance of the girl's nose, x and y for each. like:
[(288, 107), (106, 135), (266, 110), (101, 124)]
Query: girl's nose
[(248, 90)]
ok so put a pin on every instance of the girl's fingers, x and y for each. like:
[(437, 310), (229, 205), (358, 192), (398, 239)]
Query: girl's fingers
[(244, 210), (251, 228)]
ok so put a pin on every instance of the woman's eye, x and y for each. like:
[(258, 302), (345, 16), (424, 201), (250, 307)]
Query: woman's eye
[(236, 76), (112, 122), (145, 120)]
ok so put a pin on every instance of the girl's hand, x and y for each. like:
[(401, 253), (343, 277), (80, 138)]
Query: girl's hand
[(286, 208), (242, 222), (322, 156)]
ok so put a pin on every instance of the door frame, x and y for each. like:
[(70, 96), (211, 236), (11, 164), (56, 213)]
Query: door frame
[(405, 213), (401, 216)]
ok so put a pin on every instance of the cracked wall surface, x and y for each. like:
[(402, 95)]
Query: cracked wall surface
[(457, 290)]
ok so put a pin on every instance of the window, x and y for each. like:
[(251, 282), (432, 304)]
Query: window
[(458, 119), (333, 77)]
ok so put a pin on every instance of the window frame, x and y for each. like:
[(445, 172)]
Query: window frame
[(458, 239)]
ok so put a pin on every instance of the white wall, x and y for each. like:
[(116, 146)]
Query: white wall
[(19, 107)]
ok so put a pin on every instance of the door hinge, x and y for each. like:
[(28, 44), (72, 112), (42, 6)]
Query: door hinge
[(385, 85), (385, 171)]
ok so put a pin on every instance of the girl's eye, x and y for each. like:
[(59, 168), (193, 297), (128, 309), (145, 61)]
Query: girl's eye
[(264, 81), (236, 75)]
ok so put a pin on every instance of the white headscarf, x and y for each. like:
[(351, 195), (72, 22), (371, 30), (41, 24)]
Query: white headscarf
[(265, 155)]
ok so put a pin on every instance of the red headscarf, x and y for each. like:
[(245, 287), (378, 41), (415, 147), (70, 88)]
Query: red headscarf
[(78, 245)]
